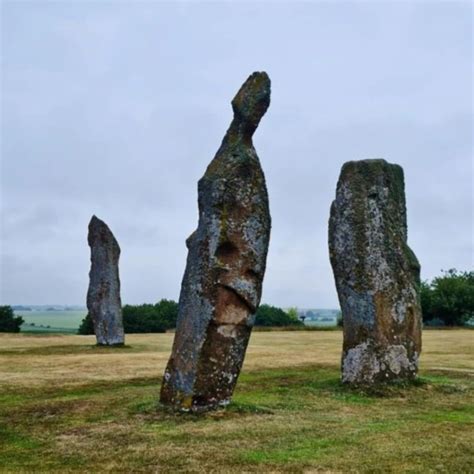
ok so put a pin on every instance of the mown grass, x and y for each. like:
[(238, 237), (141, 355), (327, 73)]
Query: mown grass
[(65, 320), (289, 414)]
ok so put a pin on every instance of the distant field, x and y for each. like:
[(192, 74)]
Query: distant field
[(67, 405), (69, 321), (320, 323), (58, 321)]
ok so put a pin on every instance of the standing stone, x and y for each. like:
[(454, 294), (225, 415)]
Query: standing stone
[(376, 273), (222, 283), (103, 297)]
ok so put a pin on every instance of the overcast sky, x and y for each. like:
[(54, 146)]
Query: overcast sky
[(115, 109)]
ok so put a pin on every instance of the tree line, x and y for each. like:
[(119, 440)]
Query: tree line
[(447, 300), (162, 316)]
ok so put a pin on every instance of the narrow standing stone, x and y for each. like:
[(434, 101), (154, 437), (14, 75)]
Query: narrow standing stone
[(226, 262), (376, 273), (103, 297)]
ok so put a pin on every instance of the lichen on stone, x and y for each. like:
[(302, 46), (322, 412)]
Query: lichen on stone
[(226, 263), (376, 273)]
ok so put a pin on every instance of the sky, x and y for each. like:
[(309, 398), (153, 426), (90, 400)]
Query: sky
[(116, 108)]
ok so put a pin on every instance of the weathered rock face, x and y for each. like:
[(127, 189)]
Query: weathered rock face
[(376, 273), (103, 297), (226, 262)]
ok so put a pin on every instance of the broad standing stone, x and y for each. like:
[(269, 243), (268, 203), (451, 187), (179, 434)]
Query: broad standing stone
[(227, 254), (376, 273), (103, 297)]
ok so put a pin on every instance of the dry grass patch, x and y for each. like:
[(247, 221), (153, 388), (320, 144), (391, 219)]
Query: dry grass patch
[(66, 406)]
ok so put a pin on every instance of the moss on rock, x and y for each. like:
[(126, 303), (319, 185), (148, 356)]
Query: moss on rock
[(226, 262), (376, 273)]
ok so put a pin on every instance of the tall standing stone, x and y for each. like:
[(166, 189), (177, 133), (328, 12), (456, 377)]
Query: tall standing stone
[(376, 273), (222, 283), (103, 296)]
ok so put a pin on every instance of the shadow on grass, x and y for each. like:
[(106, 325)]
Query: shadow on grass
[(75, 349), (12, 395), (154, 413), (270, 391), (280, 388)]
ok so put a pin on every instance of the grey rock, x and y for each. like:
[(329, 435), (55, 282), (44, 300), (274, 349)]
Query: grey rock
[(226, 262), (377, 275), (103, 297)]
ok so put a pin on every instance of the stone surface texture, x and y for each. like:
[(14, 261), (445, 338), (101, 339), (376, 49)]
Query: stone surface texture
[(103, 296), (222, 283), (376, 274)]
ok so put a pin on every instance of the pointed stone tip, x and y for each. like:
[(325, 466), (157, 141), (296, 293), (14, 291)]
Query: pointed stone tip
[(97, 225), (253, 99), (99, 230), (95, 221)]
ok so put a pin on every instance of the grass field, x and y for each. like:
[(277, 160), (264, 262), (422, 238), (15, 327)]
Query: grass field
[(51, 321), (66, 405)]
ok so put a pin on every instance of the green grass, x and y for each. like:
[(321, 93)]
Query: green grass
[(282, 419), (58, 321), (108, 418)]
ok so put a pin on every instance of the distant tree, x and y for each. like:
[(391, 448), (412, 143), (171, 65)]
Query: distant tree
[(167, 311), (267, 315), (449, 298), (426, 299), (339, 320), (87, 326), (150, 318), (8, 321), (293, 313), (144, 318)]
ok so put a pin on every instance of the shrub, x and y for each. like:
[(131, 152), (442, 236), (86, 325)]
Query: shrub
[(449, 298), (8, 321), (144, 318), (87, 326), (267, 315)]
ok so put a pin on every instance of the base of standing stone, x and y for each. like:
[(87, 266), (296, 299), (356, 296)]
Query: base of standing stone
[(186, 405), (118, 344), (219, 366), (366, 364)]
